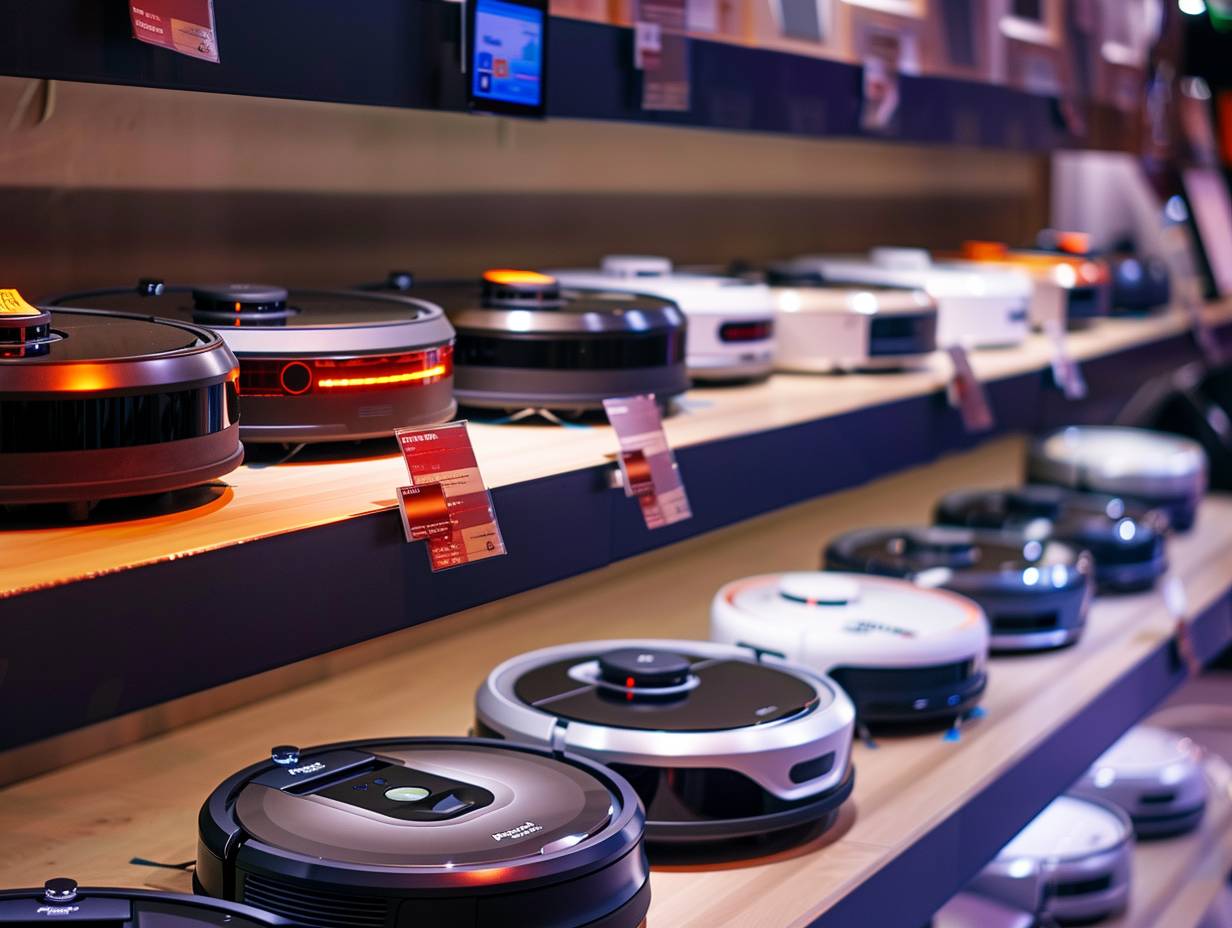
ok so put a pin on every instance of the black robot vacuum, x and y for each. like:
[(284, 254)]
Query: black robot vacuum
[(1035, 593), (1127, 540), (98, 405), (62, 900), (408, 832), (719, 741), (315, 365), (524, 341)]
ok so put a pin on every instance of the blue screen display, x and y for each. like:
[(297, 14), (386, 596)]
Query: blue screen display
[(507, 62)]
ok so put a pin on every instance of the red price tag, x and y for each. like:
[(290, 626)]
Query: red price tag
[(646, 460), (184, 26), (967, 394), (447, 505)]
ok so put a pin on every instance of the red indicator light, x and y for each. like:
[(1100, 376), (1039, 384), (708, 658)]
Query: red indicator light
[(297, 377), (745, 331)]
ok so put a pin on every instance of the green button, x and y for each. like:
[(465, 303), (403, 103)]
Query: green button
[(407, 793)]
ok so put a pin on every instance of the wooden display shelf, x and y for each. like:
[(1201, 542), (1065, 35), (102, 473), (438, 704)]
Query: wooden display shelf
[(301, 559), (927, 812)]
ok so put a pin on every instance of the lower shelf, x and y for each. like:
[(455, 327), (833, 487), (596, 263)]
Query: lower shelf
[(926, 814)]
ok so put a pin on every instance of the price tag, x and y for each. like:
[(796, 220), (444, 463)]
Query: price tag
[(967, 394), (447, 505), (13, 303), (1203, 334), (647, 463), (184, 26), (1065, 370), (1177, 603), (661, 51)]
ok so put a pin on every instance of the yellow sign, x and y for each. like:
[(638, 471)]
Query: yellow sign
[(12, 304)]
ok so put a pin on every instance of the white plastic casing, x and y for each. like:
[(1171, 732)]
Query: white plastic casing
[(708, 301), (977, 307), (967, 910), (1148, 762), (821, 329), (764, 753), (1072, 841), (850, 620)]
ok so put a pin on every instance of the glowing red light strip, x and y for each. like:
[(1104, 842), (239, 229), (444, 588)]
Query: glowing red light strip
[(329, 383)]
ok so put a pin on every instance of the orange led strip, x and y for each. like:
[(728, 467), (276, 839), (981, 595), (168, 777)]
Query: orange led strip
[(336, 382)]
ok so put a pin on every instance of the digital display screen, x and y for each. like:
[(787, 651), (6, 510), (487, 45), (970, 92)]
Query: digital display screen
[(507, 63)]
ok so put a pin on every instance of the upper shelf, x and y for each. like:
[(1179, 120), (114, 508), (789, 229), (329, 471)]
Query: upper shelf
[(406, 54)]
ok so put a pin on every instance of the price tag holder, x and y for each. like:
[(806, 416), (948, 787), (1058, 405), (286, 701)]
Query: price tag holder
[(967, 394), (184, 26), (447, 505), (1066, 373), (647, 463), (661, 52), (1177, 603)]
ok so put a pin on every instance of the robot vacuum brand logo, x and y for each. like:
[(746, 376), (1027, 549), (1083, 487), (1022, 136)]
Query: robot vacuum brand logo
[(864, 628), (57, 909), (520, 831), (307, 768)]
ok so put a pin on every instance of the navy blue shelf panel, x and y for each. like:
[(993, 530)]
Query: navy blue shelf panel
[(98, 648), (405, 53)]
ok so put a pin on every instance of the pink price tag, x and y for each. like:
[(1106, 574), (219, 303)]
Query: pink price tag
[(447, 505), (184, 26), (967, 394), (647, 463), (1065, 370)]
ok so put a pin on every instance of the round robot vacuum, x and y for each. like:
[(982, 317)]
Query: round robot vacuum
[(731, 319), (315, 365), (1070, 289), (977, 307), (1126, 540), (904, 654), (1035, 593), (98, 405), (826, 327), (62, 900), (720, 742), (1155, 776), (526, 341), (1160, 471), (1080, 849), (446, 832), (967, 910)]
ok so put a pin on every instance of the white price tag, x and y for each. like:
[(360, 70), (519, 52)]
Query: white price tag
[(967, 394), (1065, 370)]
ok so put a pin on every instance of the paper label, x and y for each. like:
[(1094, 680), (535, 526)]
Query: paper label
[(1066, 373), (1203, 335), (661, 53), (184, 26), (447, 505), (12, 304), (967, 394), (647, 463), (1177, 603)]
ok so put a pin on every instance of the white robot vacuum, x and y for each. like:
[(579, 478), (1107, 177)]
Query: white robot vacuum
[(1166, 472), (822, 327), (1155, 776), (731, 320), (720, 742), (977, 307), (903, 653), (1081, 850)]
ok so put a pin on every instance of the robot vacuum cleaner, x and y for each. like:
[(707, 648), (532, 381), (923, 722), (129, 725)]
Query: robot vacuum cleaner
[(1139, 284), (1195, 401), (1072, 290), (445, 832), (1155, 776), (824, 327), (97, 405), (977, 307), (967, 910), (904, 654), (720, 742), (1034, 593), (1126, 540), (61, 900), (731, 319), (1160, 471), (315, 365), (1081, 849), (526, 341)]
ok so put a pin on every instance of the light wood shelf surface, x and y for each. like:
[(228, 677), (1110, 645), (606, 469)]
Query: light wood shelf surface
[(267, 501), (88, 819)]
